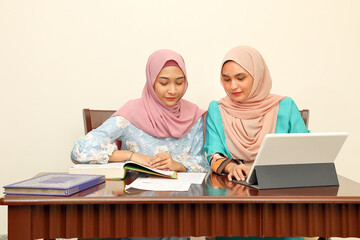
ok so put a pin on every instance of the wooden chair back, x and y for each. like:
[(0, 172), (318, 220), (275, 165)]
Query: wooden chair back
[(94, 118), (305, 116)]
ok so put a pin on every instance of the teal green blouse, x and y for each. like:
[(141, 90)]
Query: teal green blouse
[(289, 120)]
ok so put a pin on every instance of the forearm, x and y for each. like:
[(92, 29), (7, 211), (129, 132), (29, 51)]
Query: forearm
[(120, 156), (124, 155)]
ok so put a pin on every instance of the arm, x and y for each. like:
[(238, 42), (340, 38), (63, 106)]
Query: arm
[(297, 124), (189, 154), (98, 145), (289, 119), (216, 148), (215, 141)]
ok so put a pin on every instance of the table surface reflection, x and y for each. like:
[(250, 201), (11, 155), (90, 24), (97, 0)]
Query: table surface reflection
[(216, 207), (214, 188)]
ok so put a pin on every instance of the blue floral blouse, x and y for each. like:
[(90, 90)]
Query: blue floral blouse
[(98, 145)]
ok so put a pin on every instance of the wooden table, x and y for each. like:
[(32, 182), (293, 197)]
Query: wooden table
[(215, 208)]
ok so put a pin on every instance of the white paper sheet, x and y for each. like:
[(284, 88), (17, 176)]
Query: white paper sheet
[(195, 178), (165, 184)]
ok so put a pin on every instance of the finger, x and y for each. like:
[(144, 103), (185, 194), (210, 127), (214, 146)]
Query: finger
[(246, 170), (240, 174), (159, 163), (155, 160), (230, 175), (236, 175), (163, 167)]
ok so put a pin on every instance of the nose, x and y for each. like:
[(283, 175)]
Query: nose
[(172, 89), (234, 85)]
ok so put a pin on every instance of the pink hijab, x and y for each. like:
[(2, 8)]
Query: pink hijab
[(247, 123), (150, 114)]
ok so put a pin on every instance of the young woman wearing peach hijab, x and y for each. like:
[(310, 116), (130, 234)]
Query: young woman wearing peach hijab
[(237, 124)]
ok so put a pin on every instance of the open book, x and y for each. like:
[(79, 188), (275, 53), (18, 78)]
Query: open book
[(117, 170)]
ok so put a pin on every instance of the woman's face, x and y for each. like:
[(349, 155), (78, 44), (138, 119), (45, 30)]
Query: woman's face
[(236, 81), (169, 85)]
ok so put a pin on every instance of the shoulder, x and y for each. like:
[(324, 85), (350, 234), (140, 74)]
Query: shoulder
[(120, 121), (213, 116), (213, 106), (287, 101)]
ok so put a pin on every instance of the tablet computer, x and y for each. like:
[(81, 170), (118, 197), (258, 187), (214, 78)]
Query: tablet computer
[(296, 155)]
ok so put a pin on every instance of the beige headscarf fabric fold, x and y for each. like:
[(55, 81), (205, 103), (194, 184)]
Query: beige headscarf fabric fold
[(247, 123)]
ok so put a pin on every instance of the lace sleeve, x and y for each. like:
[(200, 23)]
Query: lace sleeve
[(98, 145)]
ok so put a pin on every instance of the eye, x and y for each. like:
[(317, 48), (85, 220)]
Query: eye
[(226, 79), (241, 78), (180, 83), (163, 83)]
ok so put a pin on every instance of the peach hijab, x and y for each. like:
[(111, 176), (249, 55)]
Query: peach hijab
[(247, 123)]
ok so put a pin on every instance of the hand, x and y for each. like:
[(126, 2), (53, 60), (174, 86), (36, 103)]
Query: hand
[(240, 172), (142, 159), (164, 161)]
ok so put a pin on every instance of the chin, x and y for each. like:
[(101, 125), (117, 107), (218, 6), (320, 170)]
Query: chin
[(238, 100), (170, 104)]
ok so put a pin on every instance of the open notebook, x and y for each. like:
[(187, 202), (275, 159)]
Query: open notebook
[(296, 160)]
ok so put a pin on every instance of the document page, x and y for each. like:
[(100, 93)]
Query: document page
[(154, 183)]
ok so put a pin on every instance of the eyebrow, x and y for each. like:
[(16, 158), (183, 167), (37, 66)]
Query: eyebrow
[(169, 78), (236, 75)]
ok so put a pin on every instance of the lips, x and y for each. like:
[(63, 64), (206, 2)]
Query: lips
[(171, 99), (236, 93)]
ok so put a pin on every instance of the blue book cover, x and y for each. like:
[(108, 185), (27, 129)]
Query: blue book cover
[(54, 184)]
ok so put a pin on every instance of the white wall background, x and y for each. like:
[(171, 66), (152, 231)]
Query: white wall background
[(60, 56)]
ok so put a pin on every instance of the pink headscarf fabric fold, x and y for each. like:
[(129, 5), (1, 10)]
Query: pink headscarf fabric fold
[(150, 114), (247, 123)]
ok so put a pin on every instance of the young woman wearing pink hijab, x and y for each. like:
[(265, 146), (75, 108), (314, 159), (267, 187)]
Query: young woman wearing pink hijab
[(160, 129), (237, 124)]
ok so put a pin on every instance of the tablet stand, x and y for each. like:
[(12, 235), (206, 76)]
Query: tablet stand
[(295, 175)]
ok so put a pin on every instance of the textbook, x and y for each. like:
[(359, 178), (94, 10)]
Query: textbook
[(54, 184), (117, 170)]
